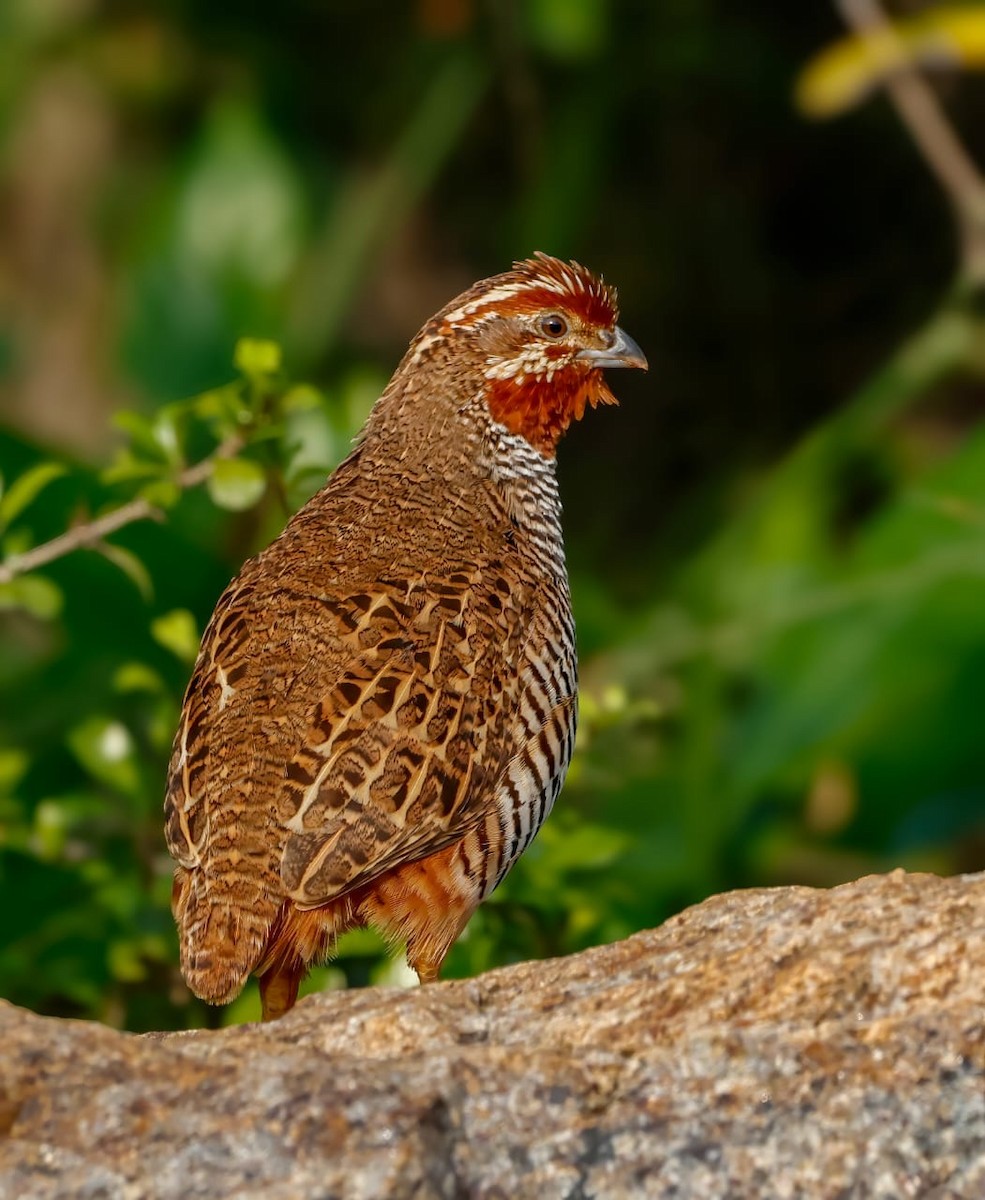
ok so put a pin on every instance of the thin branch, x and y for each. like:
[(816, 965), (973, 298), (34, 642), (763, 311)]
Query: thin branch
[(91, 533), (934, 135)]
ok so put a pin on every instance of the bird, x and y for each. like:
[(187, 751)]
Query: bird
[(383, 706)]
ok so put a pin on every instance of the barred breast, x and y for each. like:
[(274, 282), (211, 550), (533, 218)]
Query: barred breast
[(545, 721)]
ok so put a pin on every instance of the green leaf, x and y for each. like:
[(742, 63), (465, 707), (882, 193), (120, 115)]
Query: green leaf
[(157, 438), (301, 397), (257, 358), (48, 834), (236, 483), (126, 467), (224, 409), (13, 766), (217, 402), (167, 432), (137, 677), (26, 488), (140, 432), (130, 565), (105, 748), (34, 594), (176, 631), (162, 493)]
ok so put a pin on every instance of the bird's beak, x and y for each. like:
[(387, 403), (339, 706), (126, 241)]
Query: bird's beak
[(623, 352)]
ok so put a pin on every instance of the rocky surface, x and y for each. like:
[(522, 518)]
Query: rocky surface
[(780, 1043)]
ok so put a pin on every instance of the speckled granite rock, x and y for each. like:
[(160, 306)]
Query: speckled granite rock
[(782, 1043)]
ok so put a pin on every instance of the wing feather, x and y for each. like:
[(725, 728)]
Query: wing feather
[(400, 756), (377, 739)]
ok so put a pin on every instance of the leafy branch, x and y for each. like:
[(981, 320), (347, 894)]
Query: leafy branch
[(927, 124), (91, 534), (237, 416)]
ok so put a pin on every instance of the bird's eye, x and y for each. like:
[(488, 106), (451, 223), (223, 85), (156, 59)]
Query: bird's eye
[(554, 326)]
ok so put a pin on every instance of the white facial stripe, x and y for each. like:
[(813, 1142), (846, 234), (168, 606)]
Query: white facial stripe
[(531, 361), (504, 368), (564, 278), (494, 296)]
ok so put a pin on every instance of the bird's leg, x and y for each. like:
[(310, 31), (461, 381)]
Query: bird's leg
[(426, 955), (426, 967), (279, 990)]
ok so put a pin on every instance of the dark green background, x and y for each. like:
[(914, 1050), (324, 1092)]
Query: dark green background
[(777, 541)]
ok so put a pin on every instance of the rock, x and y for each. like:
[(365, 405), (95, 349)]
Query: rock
[(771, 1043)]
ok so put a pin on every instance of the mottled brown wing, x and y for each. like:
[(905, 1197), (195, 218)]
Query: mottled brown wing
[(233, 717), (400, 755), (345, 734), (236, 732)]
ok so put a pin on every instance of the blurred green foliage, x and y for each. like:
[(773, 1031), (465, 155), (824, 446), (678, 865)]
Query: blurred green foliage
[(777, 543)]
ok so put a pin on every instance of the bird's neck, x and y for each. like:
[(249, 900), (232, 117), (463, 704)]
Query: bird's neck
[(525, 477), (454, 445), (541, 407)]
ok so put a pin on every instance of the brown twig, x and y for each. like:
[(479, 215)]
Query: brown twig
[(933, 134), (91, 533)]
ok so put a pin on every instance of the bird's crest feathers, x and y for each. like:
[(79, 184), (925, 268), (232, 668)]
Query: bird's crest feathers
[(536, 283)]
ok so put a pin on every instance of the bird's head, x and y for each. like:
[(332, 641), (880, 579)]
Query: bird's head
[(539, 337)]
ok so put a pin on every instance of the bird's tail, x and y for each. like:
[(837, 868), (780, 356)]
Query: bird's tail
[(224, 922)]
